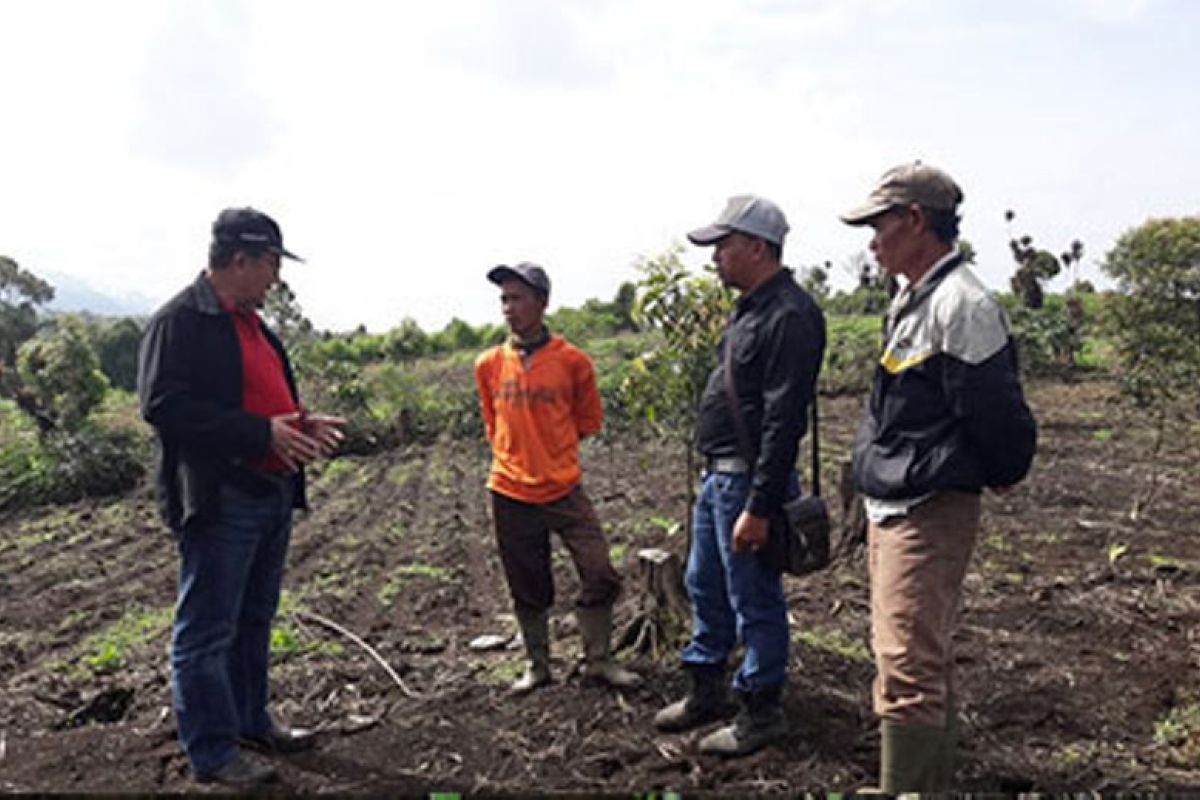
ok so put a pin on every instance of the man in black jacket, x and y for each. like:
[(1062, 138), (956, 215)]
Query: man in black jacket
[(233, 440), (775, 341), (947, 418)]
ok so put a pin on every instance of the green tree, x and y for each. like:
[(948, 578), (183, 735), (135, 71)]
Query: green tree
[(116, 346), (21, 292), (623, 305), (407, 342), (1036, 266), (688, 313), (282, 313), (457, 335), (1155, 324), (815, 280), (61, 381)]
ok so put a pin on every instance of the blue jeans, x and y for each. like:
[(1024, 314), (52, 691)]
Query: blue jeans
[(735, 597), (230, 575)]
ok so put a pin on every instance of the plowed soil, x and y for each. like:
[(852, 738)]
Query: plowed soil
[(1078, 654)]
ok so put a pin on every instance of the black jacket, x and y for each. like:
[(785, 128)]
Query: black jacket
[(946, 409), (778, 337), (190, 390)]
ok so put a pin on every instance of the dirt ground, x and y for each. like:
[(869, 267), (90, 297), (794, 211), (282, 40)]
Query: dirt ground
[(1080, 636)]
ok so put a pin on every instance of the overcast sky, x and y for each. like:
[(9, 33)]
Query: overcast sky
[(407, 147)]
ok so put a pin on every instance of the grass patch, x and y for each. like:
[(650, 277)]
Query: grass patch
[(405, 572), (667, 525), (288, 642), (401, 474), (337, 468), (1158, 561), (108, 650), (1180, 728), (836, 642), (503, 673)]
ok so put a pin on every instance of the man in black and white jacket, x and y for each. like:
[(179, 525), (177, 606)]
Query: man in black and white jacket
[(947, 418)]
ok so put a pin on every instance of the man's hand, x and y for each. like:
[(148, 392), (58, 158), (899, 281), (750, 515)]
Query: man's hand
[(325, 429), (300, 438), (750, 532)]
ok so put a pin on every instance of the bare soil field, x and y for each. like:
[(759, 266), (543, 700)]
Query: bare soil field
[(1080, 640)]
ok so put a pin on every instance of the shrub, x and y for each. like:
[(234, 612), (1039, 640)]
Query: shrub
[(852, 350)]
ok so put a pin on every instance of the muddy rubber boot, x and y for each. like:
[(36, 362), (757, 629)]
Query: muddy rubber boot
[(535, 633), (910, 758), (595, 628), (944, 774), (707, 701), (759, 723)]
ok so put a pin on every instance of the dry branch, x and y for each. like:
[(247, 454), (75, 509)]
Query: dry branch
[(358, 640)]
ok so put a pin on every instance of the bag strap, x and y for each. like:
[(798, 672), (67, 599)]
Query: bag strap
[(739, 421)]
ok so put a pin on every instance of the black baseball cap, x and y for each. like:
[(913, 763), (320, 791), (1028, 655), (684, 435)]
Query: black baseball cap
[(252, 228), (524, 271)]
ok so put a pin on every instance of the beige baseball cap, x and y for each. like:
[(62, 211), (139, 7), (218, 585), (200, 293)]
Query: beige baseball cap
[(917, 183)]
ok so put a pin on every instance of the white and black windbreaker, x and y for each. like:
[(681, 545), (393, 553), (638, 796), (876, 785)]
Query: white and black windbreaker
[(946, 409)]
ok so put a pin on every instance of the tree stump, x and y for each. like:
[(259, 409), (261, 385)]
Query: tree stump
[(664, 612)]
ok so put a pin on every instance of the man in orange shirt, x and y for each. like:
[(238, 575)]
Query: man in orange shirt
[(539, 398)]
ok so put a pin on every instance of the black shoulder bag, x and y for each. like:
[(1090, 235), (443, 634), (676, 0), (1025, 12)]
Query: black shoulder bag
[(798, 542)]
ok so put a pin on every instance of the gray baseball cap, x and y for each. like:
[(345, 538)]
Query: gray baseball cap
[(525, 271), (745, 213), (904, 185)]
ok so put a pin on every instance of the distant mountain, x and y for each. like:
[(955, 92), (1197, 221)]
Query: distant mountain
[(73, 294)]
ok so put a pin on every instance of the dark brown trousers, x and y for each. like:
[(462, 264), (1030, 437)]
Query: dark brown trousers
[(523, 536)]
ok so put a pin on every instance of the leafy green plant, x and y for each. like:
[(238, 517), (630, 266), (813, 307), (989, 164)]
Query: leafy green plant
[(109, 649), (1155, 326), (836, 642), (61, 381)]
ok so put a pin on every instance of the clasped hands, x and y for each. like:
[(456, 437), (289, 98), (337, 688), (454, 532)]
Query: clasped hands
[(301, 438)]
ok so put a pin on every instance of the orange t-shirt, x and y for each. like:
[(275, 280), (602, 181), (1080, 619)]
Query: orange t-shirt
[(536, 411)]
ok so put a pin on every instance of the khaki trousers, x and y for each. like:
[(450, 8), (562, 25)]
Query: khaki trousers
[(917, 564)]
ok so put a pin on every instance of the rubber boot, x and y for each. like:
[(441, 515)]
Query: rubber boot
[(595, 628), (759, 723), (535, 632), (708, 700), (944, 776), (911, 758)]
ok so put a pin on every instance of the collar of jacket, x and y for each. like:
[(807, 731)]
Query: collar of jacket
[(758, 295), (926, 286), (204, 296)]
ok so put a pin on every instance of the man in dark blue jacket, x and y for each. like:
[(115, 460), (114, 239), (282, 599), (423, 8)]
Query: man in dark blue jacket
[(233, 440), (947, 418)]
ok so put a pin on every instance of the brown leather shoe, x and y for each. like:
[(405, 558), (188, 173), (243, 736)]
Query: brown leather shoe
[(240, 772), (281, 741)]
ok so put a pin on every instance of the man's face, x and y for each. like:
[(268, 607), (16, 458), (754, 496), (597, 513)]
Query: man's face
[(895, 240), (258, 274), (733, 256), (522, 306)]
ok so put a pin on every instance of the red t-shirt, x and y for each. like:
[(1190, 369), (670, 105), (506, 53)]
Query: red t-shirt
[(265, 390)]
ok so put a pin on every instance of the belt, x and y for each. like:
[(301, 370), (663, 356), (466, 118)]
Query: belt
[(728, 464)]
